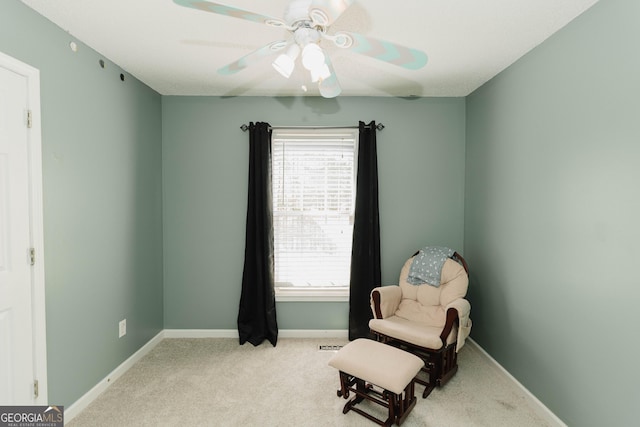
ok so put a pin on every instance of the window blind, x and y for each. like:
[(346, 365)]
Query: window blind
[(313, 174)]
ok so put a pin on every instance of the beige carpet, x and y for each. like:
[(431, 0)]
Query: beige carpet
[(216, 382)]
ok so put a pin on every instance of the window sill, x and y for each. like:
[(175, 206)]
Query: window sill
[(311, 294)]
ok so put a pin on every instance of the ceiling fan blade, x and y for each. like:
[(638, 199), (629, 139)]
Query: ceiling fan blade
[(325, 12), (222, 9), (392, 53), (253, 57), (330, 87)]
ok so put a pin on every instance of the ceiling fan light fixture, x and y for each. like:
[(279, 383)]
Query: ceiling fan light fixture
[(284, 65), (285, 62), (312, 57), (330, 90), (320, 73)]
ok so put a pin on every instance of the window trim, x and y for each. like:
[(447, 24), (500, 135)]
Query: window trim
[(315, 294)]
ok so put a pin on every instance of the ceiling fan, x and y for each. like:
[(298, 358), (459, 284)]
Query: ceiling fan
[(308, 21)]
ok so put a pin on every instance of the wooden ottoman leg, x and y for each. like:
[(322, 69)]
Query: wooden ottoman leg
[(406, 405), (361, 391), (392, 399), (346, 381)]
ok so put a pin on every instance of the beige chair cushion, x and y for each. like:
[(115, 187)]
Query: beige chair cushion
[(412, 332), (455, 282), (425, 303), (430, 315), (377, 363)]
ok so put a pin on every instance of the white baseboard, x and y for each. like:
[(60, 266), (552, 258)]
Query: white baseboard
[(540, 408), (233, 333), (76, 407), (200, 333), (313, 333)]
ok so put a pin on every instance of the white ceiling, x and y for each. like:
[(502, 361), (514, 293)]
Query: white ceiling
[(176, 50)]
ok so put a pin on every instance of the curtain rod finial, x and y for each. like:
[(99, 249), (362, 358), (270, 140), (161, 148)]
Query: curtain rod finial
[(244, 128)]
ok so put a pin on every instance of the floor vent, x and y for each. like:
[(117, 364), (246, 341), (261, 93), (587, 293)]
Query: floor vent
[(329, 347)]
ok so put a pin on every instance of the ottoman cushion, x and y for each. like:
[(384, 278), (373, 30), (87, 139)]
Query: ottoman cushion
[(377, 363)]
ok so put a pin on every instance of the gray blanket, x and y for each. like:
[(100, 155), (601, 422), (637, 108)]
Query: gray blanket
[(427, 265)]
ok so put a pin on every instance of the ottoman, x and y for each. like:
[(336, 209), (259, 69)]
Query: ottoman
[(378, 373)]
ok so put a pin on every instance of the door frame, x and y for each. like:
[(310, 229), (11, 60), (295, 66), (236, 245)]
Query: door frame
[(36, 220)]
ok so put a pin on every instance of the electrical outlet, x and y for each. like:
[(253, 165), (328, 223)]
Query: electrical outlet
[(122, 328)]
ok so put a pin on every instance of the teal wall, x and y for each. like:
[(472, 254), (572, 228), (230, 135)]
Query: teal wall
[(551, 217), (205, 167), (101, 147)]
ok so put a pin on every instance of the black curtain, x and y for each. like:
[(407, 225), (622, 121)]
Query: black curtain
[(257, 313), (365, 254)]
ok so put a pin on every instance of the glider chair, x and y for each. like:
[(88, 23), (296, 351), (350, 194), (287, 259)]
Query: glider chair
[(429, 321)]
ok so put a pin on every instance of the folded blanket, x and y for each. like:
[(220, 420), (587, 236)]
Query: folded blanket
[(427, 265)]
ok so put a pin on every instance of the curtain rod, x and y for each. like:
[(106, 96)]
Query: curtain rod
[(379, 126)]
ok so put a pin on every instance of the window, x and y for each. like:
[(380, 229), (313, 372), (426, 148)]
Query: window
[(313, 172)]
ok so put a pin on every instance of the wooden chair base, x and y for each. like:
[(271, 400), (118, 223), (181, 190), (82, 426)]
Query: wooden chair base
[(398, 405), (439, 365)]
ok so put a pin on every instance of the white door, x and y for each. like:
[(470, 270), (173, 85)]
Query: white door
[(16, 326)]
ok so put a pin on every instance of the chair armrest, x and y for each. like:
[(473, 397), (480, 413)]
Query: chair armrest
[(452, 319), (458, 311), (461, 306), (385, 301)]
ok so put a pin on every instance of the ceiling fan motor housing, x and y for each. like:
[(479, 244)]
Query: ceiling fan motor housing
[(303, 35)]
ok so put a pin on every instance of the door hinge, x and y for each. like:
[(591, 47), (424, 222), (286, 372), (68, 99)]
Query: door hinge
[(32, 256), (29, 119), (36, 392)]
